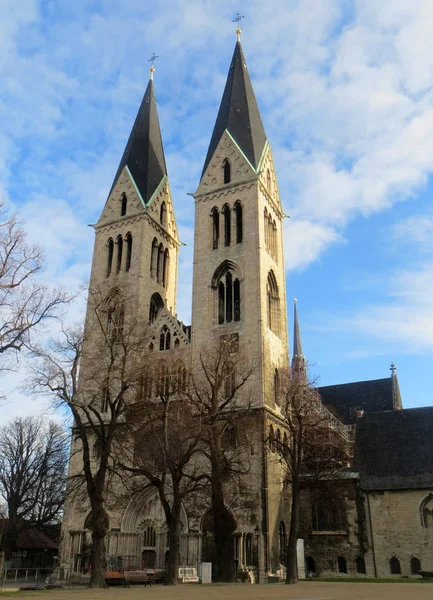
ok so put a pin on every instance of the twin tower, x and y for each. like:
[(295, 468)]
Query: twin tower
[(239, 280), (239, 297)]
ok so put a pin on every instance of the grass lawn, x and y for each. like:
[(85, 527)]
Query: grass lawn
[(306, 590)]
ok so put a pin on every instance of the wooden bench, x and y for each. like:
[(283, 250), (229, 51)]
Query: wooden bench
[(139, 577)]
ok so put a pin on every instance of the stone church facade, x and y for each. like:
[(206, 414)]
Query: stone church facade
[(239, 292)]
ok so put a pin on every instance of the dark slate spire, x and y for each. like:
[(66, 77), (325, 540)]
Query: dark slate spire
[(144, 154), (239, 113), (298, 360)]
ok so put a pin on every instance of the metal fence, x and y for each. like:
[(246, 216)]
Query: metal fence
[(41, 577)]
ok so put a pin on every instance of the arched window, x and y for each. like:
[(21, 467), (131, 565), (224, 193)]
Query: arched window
[(179, 376), (115, 312), (128, 251), (163, 214), (229, 438), (226, 171), (119, 253), (274, 242), (282, 538), (165, 269), (160, 266), (227, 224), (277, 387), (105, 402), (146, 387), (110, 249), (149, 537), (228, 293), (342, 565), (278, 441), (124, 202), (394, 566), (273, 304), (266, 229), (270, 239), (415, 566), (285, 448), (360, 565), (426, 512), (271, 439), (268, 181), (163, 383), (164, 338), (310, 565), (154, 258), (215, 227), (239, 224), (156, 303), (229, 380)]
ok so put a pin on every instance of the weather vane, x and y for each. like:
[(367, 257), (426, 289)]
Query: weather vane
[(152, 64), (238, 20)]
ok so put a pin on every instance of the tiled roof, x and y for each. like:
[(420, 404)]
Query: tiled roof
[(370, 396), (394, 450)]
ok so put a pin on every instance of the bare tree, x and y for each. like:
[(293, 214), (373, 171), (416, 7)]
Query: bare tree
[(25, 303), (33, 461), (93, 374), (317, 448), (166, 433), (217, 390)]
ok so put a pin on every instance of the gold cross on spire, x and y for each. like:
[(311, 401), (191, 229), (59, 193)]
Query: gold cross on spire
[(238, 20), (152, 64)]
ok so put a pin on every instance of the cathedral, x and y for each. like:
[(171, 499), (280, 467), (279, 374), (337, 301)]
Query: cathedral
[(381, 523)]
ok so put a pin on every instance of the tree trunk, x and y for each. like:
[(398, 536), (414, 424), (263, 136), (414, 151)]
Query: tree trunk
[(174, 544), (97, 579), (292, 559), (222, 526)]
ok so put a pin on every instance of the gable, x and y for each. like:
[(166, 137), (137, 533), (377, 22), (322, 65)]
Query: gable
[(112, 209), (241, 169)]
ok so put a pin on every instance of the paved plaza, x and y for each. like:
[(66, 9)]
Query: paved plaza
[(302, 591)]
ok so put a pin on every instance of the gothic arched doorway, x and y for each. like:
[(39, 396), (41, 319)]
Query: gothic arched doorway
[(223, 570)]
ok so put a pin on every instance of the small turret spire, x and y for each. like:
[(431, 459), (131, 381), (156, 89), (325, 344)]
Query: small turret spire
[(298, 360), (396, 395)]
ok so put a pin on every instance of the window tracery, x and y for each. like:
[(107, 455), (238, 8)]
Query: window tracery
[(128, 251), (215, 218), (110, 252), (273, 304), (228, 293), (239, 222), (226, 171)]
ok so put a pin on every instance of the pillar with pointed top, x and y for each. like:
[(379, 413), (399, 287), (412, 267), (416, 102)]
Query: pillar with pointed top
[(396, 396), (298, 361)]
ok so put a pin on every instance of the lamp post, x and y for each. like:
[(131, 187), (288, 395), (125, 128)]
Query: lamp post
[(257, 536)]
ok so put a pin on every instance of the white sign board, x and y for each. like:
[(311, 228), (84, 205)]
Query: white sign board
[(206, 572), (301, 558)]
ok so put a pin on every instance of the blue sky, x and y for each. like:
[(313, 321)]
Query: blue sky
[(345, 92)]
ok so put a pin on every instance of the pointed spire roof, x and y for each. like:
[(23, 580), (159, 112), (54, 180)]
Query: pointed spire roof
[(239, 113), (297, 345), (299, 367), (144, 153)]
